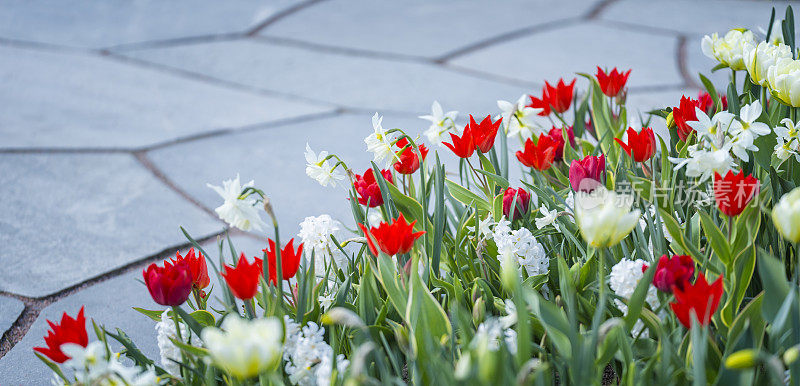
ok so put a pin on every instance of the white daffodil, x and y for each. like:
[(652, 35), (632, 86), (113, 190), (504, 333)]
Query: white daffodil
[(242, 213), (245, 348), (440, 121), (484, 229), (747, 121), (786, 215), (702, 163), (519, 118), (784, 81), (741, 144), (379, 143), (605, 217), (783, 149), (758, 59), (549, 217), (728, 50), (320, 169), (711, 128), (511, 314)]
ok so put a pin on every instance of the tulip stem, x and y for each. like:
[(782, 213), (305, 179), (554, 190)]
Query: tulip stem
[(730, 230), (176, 320), (248, 308)]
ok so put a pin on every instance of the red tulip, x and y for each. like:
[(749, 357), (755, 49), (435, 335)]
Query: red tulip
[(612, 83), (675, 271), (734, 191), (409, 160), (290, 260), (392, 239), (463, 146), (483, 134), (698, 298), (369, 193), (558, 137), (560, 96), (641, 146), (169, 285), (541, 103), (705, 103), (244, 277), (587, 174), (197, 267), (68, 331), (685, 113), (540, 155), (523, 200)]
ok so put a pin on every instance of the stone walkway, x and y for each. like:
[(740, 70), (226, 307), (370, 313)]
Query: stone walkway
[(115, 114)]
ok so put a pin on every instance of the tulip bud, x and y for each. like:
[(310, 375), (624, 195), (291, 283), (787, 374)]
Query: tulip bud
[(509, 273), (478, 311), (786, 215), (742, 359), (791, 355)]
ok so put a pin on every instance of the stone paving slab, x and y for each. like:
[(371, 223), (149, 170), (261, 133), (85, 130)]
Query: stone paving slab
[(356, 82), (419, 27), (10, 309), (550, 55), (109, 303), (71, 217), (694, 17), (90, 24), (274, 159), (71, 101), (696, 62)]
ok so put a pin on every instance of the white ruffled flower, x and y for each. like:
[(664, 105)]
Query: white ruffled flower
[(728, 50), (441, 123), (549, 217), (309, 360), (316, 235), (379, 143), (605, 217), (784, 80), (523, 246), (758, 59), (245, 348), (169, 352), (242, 213), (320, 169), (623, 280), (519, 118)]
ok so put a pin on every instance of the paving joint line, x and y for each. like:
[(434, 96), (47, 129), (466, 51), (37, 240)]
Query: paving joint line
[(280, 15), (597, 10), (35, 305)]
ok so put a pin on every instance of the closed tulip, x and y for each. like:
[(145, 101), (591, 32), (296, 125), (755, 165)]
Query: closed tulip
[(169, 285), (587, 174), (604, 217), (784, 81), (523, 201), (786, 215), (245, 348), (641, 146), (369, 192)]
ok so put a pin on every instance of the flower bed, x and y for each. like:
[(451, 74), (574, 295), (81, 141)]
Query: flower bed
[(619, 255)]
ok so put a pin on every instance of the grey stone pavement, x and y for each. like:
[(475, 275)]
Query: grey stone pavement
[(114, 114)]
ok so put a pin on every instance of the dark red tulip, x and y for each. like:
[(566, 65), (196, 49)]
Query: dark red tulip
[(675, 271), (523, 202), (558, 137), (587, 174), (169, 285)]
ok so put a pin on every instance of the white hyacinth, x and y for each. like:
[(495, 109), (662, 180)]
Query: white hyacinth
[(309, 360), (169, 352), (519, 118), (491, 331), (316, 234), (623, 280), (523, 246), (242, 213), (320, 169), (441, 123), (728, 50), (379, 143)]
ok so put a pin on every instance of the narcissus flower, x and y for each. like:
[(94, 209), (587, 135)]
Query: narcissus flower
[(245, 348), (319, 168), (239, 212), (641, 146), (463, 146), (523, 200), (784, 81), (290, 260), (560, 96), (539, 155), (786, 215), (197, 267), (558, 137), (70, 330), (409, 160), (392, 239), (699, 299), (243, 278), (169, 285), (604, 217), (518, 117), (734, 191), (675, 271), (369, 193), (379, 142), (587, 174), (683, 113), (612, 83), (483, 133), (440, 121)]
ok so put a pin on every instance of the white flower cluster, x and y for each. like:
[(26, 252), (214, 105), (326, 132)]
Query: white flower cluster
[(91, 365), (242, 213), (316, 235), (729, 49), (519, 118), (788, 137), (718, 137), (309, 360), (441, 123), (169, 352), (491, 331), (522, 245), (623, 280)]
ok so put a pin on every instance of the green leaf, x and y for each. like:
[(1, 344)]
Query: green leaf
[(465, 196), (636, 302), (387, 275), (743, 266), (152, 314), (189, 320), (424, 314), (204, 318), (718, 241)]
